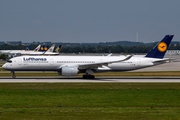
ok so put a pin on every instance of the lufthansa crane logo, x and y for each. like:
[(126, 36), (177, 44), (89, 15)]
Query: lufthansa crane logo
[(162, 47)]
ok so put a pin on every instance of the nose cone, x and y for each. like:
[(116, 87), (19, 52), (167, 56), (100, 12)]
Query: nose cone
[(4, 66)]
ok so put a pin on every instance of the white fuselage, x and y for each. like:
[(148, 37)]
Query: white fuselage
[(54, 63), (12, 51), (21, 52)]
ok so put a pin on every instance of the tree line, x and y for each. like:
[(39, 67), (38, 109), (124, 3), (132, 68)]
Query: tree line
[(114, 49), (96, 49)]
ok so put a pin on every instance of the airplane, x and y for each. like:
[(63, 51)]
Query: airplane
[(27, 51), (15, 51), (37, 51), (73, 65), (20, 51)]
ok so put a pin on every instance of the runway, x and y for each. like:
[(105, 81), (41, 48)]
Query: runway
[(97, 79)]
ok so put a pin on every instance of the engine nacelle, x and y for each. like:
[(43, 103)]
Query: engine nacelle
[(69, 71)]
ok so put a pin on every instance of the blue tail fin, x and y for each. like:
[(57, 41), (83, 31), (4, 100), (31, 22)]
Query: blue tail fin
[(43, 48), (160, 49), (60, 47), (27, 49)]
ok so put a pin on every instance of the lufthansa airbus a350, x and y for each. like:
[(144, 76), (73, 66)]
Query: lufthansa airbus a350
[(72, 65)]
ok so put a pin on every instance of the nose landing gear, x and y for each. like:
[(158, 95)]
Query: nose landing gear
[(13, 76)]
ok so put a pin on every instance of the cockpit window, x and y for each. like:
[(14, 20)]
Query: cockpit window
[(9, 61)]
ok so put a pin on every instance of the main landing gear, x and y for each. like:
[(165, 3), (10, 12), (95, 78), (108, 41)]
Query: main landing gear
[(88, 76), (14, 76)]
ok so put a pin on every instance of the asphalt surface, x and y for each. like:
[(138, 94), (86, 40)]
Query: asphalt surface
[(97, 79)]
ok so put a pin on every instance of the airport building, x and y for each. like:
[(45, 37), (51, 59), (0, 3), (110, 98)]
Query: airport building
[(173, 52)]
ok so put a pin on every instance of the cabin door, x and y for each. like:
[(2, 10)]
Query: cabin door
[(138, 62), (19, 61), (51, 62)]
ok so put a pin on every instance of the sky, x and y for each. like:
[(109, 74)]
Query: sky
[(88, 21)]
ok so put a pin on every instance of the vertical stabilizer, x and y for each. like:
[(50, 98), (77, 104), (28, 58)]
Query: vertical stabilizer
[(37, 48), (60, 47), (27, 49), (160, 49), (51, 48)]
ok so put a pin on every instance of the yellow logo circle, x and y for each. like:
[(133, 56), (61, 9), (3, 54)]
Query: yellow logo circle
[(162, 47)]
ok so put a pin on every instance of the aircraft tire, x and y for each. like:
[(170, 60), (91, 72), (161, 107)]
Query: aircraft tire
[(88, 76), (13, 76), (92, 76), (85, 76)]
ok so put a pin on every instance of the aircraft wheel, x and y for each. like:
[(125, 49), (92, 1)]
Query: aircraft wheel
[(85, 76), (92, 76), (14, 76), (88, 76)]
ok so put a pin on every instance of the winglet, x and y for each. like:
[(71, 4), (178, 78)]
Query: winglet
[(127, 58), (160, 49)]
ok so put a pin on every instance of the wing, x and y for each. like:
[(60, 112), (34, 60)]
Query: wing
[(100, 64)]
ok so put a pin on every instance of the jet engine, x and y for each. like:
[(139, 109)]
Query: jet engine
[(69, 71)]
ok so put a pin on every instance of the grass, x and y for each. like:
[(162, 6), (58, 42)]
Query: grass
[(54, 74), (79, 101)]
